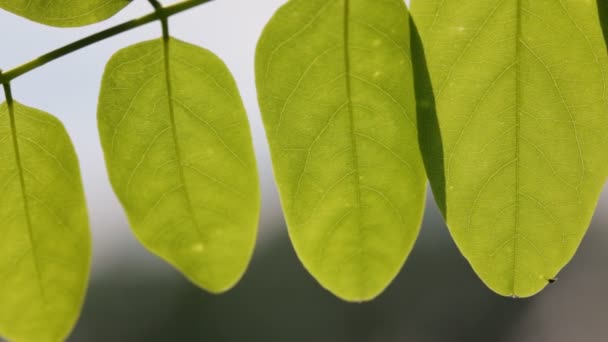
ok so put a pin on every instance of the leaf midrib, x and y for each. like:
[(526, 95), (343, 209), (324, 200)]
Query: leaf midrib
[(517, 142), (23, 188), (353, 137), (168, 84), (518, 44)]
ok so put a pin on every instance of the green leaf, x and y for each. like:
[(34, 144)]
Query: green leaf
[(519, 110), (179, 152), (335, 87), (45, 247), (65, 13)]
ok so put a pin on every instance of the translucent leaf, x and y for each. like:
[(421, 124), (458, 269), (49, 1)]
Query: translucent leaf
[(520, 117), (336, 91), (45, 245), (178, 149), (64, 13)]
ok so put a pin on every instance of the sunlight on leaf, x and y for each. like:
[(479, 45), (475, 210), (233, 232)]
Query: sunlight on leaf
[(45, 243), (65, 13), (336, 91), (519, 94), (179, 152)]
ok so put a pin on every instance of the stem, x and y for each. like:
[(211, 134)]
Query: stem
[(8, 94), (157, 6), (26, 207), (159, 14), (164, 20)]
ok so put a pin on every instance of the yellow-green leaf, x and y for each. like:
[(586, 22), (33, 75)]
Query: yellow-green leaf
[(45, 243), (335, 87), (520, 91), (65, 13), (179, 152)]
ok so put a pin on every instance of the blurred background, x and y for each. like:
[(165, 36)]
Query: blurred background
[(134, 297)]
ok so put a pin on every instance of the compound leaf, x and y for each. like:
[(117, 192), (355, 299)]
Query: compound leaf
[(335, 87), (179, 153), (519, 93), (45, 243), (65, 13)]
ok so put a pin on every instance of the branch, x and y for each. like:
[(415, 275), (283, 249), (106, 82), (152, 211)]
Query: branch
[(159, 14)]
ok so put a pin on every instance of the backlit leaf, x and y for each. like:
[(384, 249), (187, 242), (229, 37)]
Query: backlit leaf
[(65, 13), (45, 245), (521, 117), (335, 87), (178, 149)]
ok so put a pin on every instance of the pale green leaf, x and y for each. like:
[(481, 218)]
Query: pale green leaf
[(179, 152), (45, 245), (520, 114), (64, 13), (336, 91)]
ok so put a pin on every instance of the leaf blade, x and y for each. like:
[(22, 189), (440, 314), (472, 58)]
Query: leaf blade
[(331, 117), (520, 123), (184, 168), (44, 281), (72, 13)]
